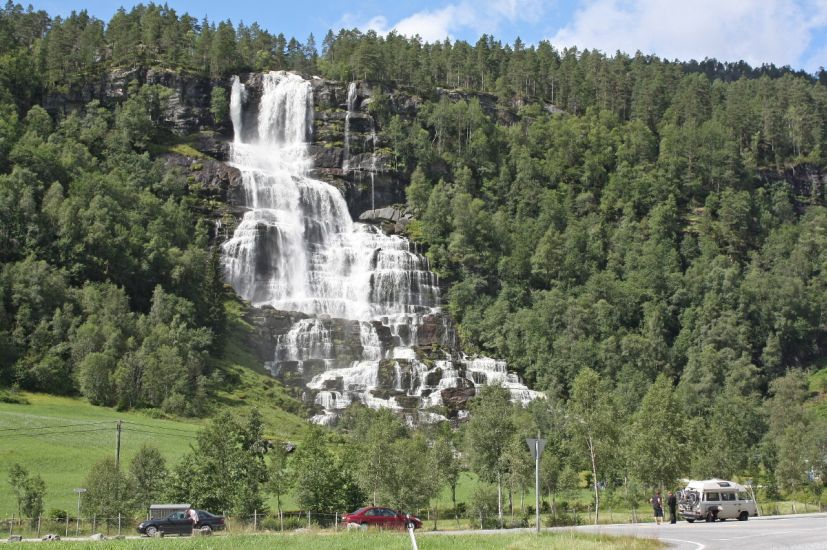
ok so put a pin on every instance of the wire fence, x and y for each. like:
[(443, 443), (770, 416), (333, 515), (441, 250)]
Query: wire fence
[(69, 526), (121, 525)]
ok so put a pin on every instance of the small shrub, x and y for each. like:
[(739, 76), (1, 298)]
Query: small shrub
[(12, 396), (563, 519), (55, 514)]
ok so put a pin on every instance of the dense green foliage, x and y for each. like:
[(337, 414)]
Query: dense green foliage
[(107, 286), (642, 239)]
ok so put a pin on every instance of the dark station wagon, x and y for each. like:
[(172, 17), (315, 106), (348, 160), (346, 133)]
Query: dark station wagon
[(182, 522)]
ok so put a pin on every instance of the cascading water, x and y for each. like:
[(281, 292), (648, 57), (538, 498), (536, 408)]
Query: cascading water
[(297, 249), (351, 103)]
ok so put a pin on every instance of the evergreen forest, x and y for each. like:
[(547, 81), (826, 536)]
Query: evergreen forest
[(643, 239)]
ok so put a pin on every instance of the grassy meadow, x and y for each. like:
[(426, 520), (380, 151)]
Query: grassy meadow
[(60, 438), (386, 541)]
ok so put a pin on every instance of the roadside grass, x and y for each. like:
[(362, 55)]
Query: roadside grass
[(387, 541)]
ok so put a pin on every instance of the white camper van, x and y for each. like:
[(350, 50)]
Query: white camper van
[(712, 499)]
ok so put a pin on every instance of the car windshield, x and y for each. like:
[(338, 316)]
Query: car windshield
[(359, 511), (203, 513)]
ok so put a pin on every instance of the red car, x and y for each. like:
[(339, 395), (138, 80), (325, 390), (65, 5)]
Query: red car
[(384, 518)]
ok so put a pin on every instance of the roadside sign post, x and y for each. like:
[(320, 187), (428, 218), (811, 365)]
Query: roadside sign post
[(78, 492), (536, 447)]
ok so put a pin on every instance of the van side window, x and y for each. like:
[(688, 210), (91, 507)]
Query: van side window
[(743, 496), (727, 496), (712, 496)]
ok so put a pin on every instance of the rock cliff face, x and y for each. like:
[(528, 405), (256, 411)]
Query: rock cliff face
[(350, 152), (189, 105)]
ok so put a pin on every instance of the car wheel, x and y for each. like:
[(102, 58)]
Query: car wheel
[(363, 525), (206, 530), (743, 516), (151, 531)]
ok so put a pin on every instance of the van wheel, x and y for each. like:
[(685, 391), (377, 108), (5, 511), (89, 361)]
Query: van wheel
[(690, 521), (743, 516), (721, 519)]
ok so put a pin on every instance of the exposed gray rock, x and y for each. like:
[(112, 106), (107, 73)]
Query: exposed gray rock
[(388, 213), (325, 157), (210, 179), (212, 144)]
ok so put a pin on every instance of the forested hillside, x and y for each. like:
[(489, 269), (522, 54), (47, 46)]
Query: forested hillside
[(600, 221)]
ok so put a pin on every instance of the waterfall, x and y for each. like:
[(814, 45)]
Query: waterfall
[(372, 165), (351, 103), (237, 97), (297, 249)]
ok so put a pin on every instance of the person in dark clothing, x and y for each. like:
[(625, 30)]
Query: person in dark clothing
[(672, 502), (657, 507)]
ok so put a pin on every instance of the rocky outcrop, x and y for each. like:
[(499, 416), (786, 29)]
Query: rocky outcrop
[(188, 107), (391, 219), (808, 183), (210, 179)]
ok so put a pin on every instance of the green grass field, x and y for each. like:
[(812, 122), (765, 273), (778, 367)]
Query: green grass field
[(60, 438), (385, 541)]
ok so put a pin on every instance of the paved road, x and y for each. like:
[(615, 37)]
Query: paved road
[(803, 532)]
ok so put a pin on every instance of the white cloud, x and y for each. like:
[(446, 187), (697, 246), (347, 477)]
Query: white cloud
[(448, 21), (438, 24), (757, 31)]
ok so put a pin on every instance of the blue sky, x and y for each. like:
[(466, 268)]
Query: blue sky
[(784, 32)]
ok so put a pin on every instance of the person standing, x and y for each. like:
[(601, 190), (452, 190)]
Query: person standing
[(672, 502), (657, 507)]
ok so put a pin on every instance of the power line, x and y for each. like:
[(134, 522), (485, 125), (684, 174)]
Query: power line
[(188, 432), (80, 424), (62, 432), (127, 429)]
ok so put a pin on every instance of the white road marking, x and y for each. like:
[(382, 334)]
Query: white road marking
[(698, 545)]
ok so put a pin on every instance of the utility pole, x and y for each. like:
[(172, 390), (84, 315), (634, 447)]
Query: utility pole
[(79, 491), (118, 445), (536, 447)]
